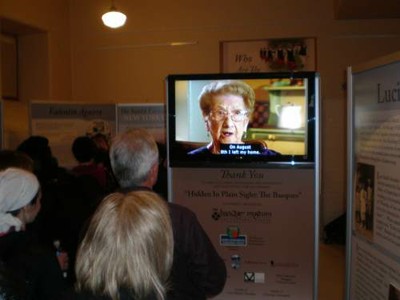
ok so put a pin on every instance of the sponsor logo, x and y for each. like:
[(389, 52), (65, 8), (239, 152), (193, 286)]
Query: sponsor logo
[(235, 261), (235, 215), (253, 277), (225, 240), (249, 276), (233, 231), (233, 237)]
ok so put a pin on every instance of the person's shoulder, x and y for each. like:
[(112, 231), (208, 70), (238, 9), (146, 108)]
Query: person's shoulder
[(182, 217), (180, 210)]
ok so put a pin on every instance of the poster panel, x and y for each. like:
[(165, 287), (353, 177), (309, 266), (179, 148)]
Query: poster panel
[(62, 122), (261, 221), (1, 125), (376, 274), (148, 116), (374, 195)]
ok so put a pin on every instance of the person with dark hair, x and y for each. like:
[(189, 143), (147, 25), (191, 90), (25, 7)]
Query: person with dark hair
[(198, 272), (102, 158), (25, 261), (68, 201), (17, 159), (84, 150), (45, 164), (103, 148)]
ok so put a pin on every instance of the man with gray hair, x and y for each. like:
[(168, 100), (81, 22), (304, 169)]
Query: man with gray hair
[(198, 272)]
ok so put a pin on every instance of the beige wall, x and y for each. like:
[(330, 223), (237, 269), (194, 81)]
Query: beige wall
[(131, 63), (44, 60)]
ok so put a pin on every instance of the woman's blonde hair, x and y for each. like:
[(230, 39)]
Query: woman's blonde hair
[(129, 245)]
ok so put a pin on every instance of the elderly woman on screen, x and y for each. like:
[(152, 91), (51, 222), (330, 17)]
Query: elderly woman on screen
[(226, 107), (127, 251)]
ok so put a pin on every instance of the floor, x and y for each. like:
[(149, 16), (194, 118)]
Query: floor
[(332, 267)]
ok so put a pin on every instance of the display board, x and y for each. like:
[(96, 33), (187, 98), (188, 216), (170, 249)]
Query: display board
[(149, 116), (373, 240), (260, 213), (262, 222), (62, 122)]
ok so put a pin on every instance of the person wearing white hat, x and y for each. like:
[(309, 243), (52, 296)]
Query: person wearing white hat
[(32, 266), (19, 199)]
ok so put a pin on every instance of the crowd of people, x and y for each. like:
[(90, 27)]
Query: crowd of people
[(101, 230)]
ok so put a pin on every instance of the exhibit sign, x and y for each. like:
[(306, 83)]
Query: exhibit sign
[(149, 116), (373, 252), (62, 122), (262, 222)]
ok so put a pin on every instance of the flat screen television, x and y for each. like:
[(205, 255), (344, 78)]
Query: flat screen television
[(277, 126)]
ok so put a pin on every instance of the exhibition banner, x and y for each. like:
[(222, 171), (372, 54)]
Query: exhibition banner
[(373, 264), (262, 222), (62, 122), (1, 125), (149, 116)]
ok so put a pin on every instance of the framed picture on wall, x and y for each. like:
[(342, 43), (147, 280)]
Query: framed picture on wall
[(269, 55)]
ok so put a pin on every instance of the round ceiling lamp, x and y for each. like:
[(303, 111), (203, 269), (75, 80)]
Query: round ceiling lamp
[(114, 18)]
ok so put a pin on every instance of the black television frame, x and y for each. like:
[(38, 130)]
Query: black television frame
[(177, 157)]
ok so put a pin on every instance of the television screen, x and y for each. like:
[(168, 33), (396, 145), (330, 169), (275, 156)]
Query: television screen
[(241, 119)]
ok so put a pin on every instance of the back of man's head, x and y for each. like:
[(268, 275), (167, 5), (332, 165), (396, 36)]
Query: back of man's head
[(132, 154)]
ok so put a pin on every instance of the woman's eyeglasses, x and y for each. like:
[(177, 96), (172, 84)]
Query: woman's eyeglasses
[(236, 115)]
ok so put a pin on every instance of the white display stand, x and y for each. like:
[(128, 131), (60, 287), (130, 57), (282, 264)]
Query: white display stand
[(263, 221), (373, 237)]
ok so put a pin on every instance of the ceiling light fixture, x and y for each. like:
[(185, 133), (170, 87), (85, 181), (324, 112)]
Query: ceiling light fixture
[(114, 18)]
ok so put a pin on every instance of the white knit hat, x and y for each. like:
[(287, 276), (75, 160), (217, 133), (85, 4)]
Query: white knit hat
[(17, 189)]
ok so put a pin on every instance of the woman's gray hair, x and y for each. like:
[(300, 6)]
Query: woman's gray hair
[(224, 87), (132, 155), (128, 245)]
